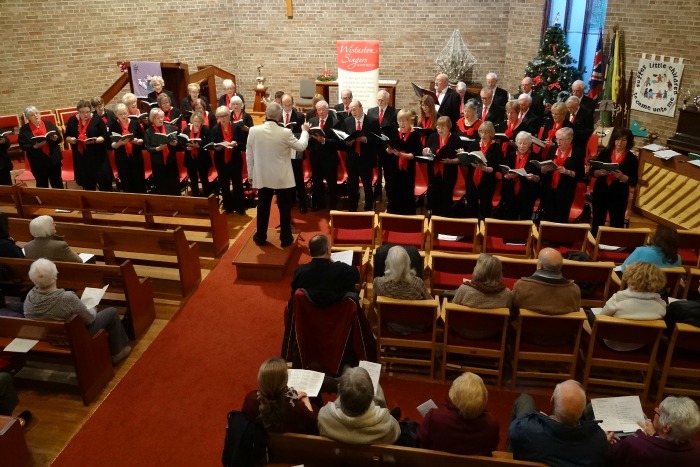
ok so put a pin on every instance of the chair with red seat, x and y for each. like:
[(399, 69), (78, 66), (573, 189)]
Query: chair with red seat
[(692, 283), (452, 234), (460, 189), (595, 279), (615, 244), (353, 228), (403, 229), (9, 123), (67, 169), (578, 205), (689, 247), (546, 346), (511, 238), (516, 268), (27, 175), (447, 271), (562, 237), (420, 186), (184, 178), (680, 368), (611, 368), (332, 336), (398, 351), (147, 169), (485, 355)]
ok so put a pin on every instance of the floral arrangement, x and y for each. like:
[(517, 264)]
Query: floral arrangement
[(325, 75)]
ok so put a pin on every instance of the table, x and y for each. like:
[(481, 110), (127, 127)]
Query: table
[(323, 88)]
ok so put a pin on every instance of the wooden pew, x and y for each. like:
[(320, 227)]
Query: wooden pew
[(67, 342), (123, 239), (149, 211), (294, 449), (9, 202), (122, 279)]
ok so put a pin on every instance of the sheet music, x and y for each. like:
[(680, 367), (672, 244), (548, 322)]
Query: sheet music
[(449, 238), (20, 345), (92, 296), (426, 407), (619, 414), (374, 370), (596, 311), (653, 147), (344, 256), (696, 163), (609, 247), (666, 154), (305, 380), (86, 257)]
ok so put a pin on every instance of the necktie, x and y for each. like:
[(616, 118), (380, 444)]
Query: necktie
[(484, 112), (347, 109), (571, 119), (321, 122), (286, 119), (381, 115), (357, 142)]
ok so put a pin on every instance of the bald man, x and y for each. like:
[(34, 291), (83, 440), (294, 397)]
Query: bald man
[(448, 99), (536, 103), (547, 291), (561, 439), (500, 95)]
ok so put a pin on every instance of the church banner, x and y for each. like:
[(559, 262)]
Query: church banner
[(141, 74), (656, 85), (358, 70)]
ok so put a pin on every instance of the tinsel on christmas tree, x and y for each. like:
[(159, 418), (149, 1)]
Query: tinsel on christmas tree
[(553, 70)]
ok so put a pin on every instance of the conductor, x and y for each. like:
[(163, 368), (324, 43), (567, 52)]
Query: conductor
[(269, 159)]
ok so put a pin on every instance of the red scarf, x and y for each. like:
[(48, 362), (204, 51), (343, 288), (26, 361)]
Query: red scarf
[(439, 167), (509, 133), (616, 159), (104, 117), (227, 133), (125, 131), (82, 134), (560, 159), (520, 161), (472, 131), (166, 117), (403, 163), (552, 133), (41, 131), (425, 122), (237, 117), (476, 178), (166, 149), (228, 100), (193, 134)]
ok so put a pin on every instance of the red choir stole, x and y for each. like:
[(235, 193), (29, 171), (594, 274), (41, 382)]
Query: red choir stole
[(125, 131), (476, 178), (425, 122), (471, 132), (439, 167), (194, 134), (41, 131), (82, 134), (520, 161), (227, 133), (166, 149), (616, 159), (560, 159), (403, 162)]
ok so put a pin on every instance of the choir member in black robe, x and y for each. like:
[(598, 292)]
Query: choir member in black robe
[(400, 165), (442, 171), (481, 179), (323, 150), (559, 185), (197, 160), (166, 173), (228, 159), (519, 192), (159, 88), (44, 157), (128, 153), (87, 133)]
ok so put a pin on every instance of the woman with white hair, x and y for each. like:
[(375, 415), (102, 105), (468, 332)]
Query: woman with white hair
[(158, 84), (228, 160), (87, 133), (481, 178), (193, 93), (166, 174), (47, 244), (559, 185), (666, 440), (229, 92), (519, 192), (128, 154), (44, 157), (400, 281), (461, 424), (47, 302)]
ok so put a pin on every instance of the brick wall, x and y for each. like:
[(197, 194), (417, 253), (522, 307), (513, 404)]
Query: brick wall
[(56, 53), (663, 27)]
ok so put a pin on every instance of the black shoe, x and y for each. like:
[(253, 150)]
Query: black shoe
[(285, 244), (258, 241), (25, 417)]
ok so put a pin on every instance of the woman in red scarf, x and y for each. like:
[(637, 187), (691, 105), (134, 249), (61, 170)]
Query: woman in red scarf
[(511, 126), (197, 160), (229, 160), (209, 117), (559, 185), (128, 154), (470, 122), (400, 169), (166, 174), (171, 115), (428, 118), (548, 131), (481, 179), (159, 88), (442, 172), (44, 157), (88, 136), (518, 192), (98, 106), (229, 92), (611, 189)]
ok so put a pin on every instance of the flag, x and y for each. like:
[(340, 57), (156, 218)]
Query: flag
[(616, 68), (595, 84)]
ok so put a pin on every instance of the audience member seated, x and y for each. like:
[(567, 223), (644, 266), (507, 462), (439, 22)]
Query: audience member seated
[(47, 244), (665, 441), (683, 311), (9, 400), (461, 425), (639, 301), (663, 250), (560, 439), (358, 416), (547, 291), (278, 407), (379, 259), (326, 281), (8, 247), (400, 281), (47, 302)]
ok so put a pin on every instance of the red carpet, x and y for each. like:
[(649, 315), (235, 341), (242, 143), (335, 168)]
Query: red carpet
[(170, 409)]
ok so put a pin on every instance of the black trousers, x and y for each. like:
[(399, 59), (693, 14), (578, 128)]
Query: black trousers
[(231, 183), (324, 167), (298, 169), (51, 175), (359, 169), (284, 204), (195, 174)]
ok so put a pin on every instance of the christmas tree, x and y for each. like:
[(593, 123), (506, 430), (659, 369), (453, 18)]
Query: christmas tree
[(553, 70)]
